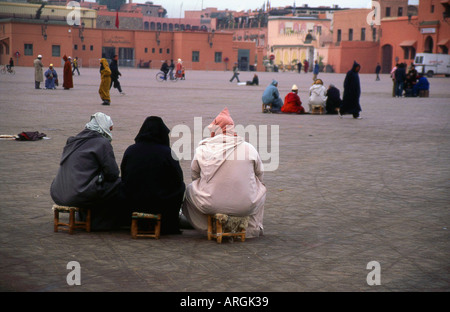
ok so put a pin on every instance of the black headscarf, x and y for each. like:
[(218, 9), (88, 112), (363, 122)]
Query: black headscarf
[(153, 130)]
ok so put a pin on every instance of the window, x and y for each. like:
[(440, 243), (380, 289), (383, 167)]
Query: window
[(195, 56), (374, 34), (75, 46), (388, 11), (153, 50), (339, 35), (84, 47), (413, 53), (160, 50), (92, 47), (406, 53), (350, 34), (363, 34), (56, 50), (28, 49), (432, 8), (168, 51), (108, 23), (218, 57), (400, 12), (145, 50)]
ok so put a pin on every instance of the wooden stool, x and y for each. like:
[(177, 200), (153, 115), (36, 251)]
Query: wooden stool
[(317, 109), (220, 225), (73, 224), (266, 107), (153, 233), (424, 93)]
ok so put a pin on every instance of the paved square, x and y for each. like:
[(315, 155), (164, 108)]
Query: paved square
[(346, 192)]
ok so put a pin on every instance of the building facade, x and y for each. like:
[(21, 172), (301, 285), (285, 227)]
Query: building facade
[(428, 32), (295, 39)]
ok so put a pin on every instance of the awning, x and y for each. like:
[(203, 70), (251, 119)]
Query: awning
[(443, 42), (408, 43)]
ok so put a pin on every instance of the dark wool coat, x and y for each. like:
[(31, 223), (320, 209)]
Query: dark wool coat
[(152, 178), (352, 92), (88, 176)]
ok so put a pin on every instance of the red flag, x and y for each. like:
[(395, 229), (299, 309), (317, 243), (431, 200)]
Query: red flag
[(117, 19)]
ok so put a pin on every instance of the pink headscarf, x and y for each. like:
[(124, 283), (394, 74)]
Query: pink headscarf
[(224, 122)]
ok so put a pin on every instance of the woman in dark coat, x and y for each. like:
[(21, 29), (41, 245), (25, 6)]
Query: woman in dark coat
[(352, 92), (333, 100), (153, 179), (88, 176)]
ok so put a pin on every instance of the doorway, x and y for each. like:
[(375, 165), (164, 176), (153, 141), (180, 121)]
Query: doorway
[(428, 47), (386, 59)]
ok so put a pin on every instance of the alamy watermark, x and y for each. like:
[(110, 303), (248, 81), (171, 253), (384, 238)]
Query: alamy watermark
[(374, 276), (265, 139), (374, 18), (74, 16)]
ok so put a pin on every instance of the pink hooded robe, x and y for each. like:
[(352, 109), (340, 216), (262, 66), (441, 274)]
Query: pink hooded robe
[(227, 177)]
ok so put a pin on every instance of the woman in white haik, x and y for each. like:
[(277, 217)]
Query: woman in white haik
[(227, 175)]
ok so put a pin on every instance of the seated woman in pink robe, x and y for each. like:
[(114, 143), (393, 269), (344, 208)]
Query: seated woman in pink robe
[(227, 175)]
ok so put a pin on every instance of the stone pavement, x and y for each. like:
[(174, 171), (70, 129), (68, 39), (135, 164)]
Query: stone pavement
[(345, 192)]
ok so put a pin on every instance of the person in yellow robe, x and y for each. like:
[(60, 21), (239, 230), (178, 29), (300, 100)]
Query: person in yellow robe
[(105, 83)]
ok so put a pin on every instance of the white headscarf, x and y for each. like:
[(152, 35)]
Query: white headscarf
[(101, 123)]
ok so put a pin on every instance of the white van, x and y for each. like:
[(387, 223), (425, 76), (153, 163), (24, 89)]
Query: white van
[(432, 64)]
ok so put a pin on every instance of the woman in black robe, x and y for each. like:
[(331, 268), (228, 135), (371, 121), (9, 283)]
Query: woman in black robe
[(152, 178), (333, 100), (352, 92)]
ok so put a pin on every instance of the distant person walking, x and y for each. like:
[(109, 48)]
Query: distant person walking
[(38, 72), (299, 66), (315, 71), (305, 65), (75, 66), (352, 92), (235, 73), (115, 73), (105, 83), (377, 71)]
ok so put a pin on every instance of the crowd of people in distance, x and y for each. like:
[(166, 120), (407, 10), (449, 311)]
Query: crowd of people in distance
[(407, 82), (109, 75), (150, 179), (327, 99)]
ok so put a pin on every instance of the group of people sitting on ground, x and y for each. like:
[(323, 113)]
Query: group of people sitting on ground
[(227, 175), (408, 83), (329, 99)]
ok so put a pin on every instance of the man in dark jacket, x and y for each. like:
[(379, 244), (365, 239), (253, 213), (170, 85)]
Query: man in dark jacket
[(152, 178), (352, 92), (165, 69), (115, 73), (88, 176)]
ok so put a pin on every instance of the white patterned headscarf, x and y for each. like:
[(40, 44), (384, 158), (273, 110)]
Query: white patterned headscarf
[(101, 123)]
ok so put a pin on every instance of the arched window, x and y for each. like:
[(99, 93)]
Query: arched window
[(146, 26), (152, 26)]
